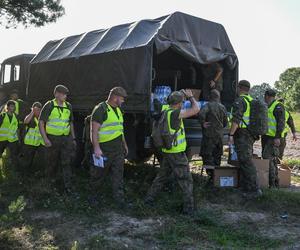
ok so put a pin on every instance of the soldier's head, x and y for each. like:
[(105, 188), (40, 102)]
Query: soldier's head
[(117, 96), (281, 100), (270, 95), (243, 87), (175, 99), (14, 95), (36, 108), (214, 95), (11, 106), (61, 92)]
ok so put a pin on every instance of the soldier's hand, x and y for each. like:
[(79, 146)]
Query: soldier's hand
[(188, 93), (230, 140), (125, 150), (98, 153), (212, 84), (295, 138), (277, 142)]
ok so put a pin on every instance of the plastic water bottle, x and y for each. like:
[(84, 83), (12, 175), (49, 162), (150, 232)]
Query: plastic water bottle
[(233, 154)]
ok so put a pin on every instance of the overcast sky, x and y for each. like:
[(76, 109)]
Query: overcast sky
[(265, 33)]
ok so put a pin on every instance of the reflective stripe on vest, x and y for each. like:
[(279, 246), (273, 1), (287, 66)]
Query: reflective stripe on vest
[(59, 120), (179, 144), (112, 127), (33, 136), (246, 116), (8, 129), (272, 124)]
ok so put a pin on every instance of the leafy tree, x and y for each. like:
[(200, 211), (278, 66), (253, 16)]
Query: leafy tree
[(288, 87), (258, 91), (31, 12)]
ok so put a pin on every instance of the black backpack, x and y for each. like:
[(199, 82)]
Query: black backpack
[(258, 123), (161, 136)]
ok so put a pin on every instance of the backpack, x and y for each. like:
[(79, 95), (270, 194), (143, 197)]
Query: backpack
[(161, 136), (258, 124)]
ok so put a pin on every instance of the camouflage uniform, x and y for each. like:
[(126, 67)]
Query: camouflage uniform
[(60, 153), (244, 147), (29, 152), (88, 147), (269, 150), (114, 152), (178, 165), (291, 125), (212, 141)]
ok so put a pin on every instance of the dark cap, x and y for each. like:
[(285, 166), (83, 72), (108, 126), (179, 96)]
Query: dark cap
[(119, 91), (270, 92), (61, 89), (175, 97), (281, 100), (244, 83), (214, 94)]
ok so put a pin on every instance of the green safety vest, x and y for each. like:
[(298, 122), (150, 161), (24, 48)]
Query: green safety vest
[(246, 116), (286, 128), (59, 120), (272, 123), (8, 129), (33, 136), (17, 103), (179, 144), (165, 107), (112, 127)]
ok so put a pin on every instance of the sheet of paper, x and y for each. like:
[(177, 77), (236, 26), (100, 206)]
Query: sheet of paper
[(226, 181), (98, 162)]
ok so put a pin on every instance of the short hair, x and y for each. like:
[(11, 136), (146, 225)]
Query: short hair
[(37, 105), (244, 85), (270, 92)]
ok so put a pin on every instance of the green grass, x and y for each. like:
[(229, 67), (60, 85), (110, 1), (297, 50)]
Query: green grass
[(22, 197), (296, 117)]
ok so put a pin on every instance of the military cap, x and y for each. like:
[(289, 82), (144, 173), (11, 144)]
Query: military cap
[(244, 83), (37, 105), (175, 97), (61, 89), (119, 91), (270, 92), (10, 102)]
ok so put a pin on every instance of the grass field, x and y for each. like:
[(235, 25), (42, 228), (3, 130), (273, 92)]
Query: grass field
[(296, 117), (35, 214)]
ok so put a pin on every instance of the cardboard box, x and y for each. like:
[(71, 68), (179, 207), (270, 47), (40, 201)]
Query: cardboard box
[(262, 169), (284, 175), (224, 176)]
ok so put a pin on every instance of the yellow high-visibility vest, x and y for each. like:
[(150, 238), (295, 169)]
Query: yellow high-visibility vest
[(33, 136), (59, 120), (112, 127), (8, 129)]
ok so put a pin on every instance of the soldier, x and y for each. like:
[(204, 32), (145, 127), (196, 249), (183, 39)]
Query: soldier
[(174, 160), (33, 140), (21, 110), (107, 136), (243, 140), (212, 78), (271, 141), (289, 124), (57, 130), (213, 118), (9, 132)]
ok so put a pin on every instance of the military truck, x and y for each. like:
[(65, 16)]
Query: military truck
[(137, 56)]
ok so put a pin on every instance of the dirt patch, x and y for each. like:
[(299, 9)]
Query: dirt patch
[(236, 217)]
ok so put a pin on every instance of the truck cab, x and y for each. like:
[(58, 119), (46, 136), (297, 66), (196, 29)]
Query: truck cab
[(14, 74)]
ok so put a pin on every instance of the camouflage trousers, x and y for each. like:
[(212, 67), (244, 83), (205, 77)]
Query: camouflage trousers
[(113, 166), (28, 154), (244, 147), (271, 152), (176, 164), (211, 151), (59, 158), (282, 146)]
